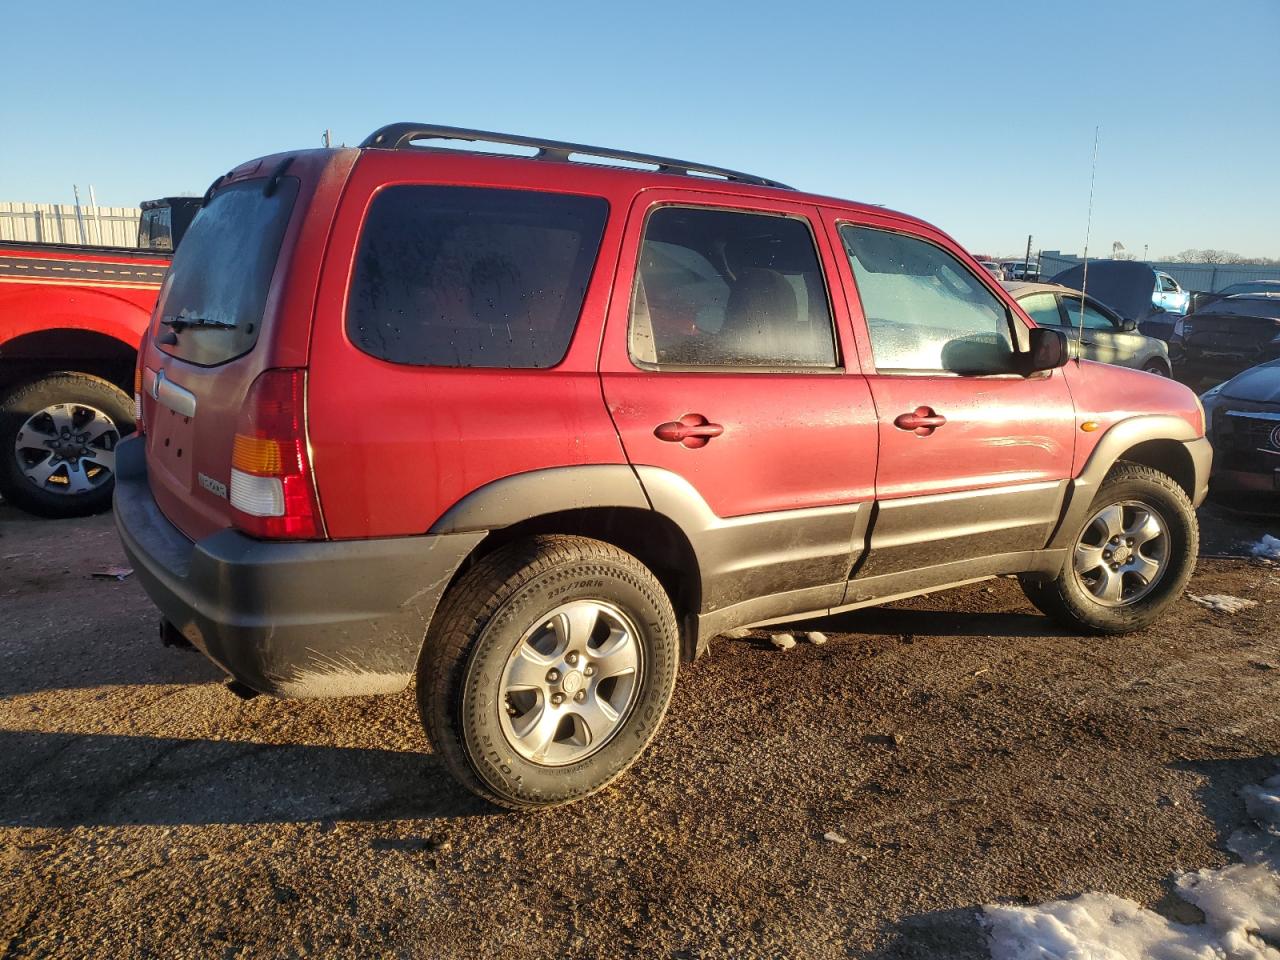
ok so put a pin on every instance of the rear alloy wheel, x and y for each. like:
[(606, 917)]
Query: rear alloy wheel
[(1130, 559), (547, 670), (57, 438)]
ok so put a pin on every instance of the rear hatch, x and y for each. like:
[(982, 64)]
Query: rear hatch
[(236, 302)]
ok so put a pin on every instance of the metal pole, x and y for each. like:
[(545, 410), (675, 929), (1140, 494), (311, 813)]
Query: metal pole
[(79, 215), (328, 138), (97, 217), (1026, 264)]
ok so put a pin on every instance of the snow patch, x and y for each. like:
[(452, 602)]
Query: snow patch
[(1241, 904), (816, 637), (1268, 547), (1222, 603)]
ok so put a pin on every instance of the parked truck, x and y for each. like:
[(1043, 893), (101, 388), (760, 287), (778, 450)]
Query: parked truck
[(71, 317)]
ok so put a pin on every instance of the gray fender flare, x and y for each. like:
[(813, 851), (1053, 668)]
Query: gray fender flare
[(1119, 439)]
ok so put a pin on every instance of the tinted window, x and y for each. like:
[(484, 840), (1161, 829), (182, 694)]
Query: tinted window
[(1042, 308), (724, 288), (466, 277), (1093, 319), (1167, 284), (924, 310), (221, 273)]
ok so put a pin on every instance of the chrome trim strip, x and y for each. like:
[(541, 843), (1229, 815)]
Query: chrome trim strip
[(1253, 414), (180, 401)]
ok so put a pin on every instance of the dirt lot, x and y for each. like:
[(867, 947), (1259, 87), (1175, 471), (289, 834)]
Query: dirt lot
[(969, 751)]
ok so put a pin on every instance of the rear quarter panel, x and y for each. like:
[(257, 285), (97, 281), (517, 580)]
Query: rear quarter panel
[(394, 446)]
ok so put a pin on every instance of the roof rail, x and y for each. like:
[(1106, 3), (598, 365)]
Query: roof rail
[(399, 136)]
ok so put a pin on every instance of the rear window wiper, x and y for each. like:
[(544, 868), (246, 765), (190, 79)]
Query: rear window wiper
[(178, 324)]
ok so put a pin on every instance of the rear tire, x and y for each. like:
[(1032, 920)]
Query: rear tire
[(86, 405), (1156, 367), (1130, 495), (547, 670)]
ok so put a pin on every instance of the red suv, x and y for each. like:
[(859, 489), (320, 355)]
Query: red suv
[(532, 429)]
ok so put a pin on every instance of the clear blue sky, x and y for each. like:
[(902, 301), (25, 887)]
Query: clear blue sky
[(976, 116)]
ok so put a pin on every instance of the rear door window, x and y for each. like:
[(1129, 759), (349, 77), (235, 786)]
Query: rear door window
[(215, 293), (727, 288), (473, 277)]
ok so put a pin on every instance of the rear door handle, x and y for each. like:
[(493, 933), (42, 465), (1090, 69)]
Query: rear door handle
[(693, 430), (922, 420)]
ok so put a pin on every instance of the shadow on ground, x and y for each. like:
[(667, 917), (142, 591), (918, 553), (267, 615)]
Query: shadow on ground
[(70, 780)]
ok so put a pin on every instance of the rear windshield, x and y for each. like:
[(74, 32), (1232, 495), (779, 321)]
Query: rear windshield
[(471, 277), (213, 298)]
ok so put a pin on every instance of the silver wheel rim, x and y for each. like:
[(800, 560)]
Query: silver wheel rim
[(570, 683), (67, 448), (1122, 553)]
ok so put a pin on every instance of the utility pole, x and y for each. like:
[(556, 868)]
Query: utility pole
[(1026, 264), (79, 215)]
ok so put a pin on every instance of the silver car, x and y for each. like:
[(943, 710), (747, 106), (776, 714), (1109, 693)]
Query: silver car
[(1105, 336)]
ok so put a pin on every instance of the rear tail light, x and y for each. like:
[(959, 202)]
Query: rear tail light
[(137, 396), (272, 490)]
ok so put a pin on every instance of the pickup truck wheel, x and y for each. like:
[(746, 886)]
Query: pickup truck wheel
[(1129, 561), (547, 670), (58, 437)]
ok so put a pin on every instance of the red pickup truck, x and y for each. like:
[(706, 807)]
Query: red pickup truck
[(71, 318)]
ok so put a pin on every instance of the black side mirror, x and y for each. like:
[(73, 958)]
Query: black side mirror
[(1128, 326), (1047, 349)]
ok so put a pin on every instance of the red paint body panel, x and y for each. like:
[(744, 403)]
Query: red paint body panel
[(790, 440), (395, 446), (115, 299), (998, 430)]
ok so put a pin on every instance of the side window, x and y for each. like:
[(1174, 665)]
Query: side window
[(1167, 284), (472, 277), (1093, 319), (924, 310), (1042, 308), (721, 288)]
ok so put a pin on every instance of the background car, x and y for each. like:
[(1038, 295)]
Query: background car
[(992, 267), (1200, 298), (1227, 336), (1105, 336), (1168, 294), (1129, 287), (1242, 421)]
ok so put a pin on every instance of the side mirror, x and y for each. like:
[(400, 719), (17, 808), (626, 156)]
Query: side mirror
[(1048, 349), (1129, 326)]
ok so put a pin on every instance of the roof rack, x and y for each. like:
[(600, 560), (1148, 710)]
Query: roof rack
[(399, 136)]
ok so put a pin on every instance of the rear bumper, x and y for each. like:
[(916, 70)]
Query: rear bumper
[(301, 619)]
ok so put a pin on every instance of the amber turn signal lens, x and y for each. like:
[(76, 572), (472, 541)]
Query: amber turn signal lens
[(257, 455), (1089, 426)]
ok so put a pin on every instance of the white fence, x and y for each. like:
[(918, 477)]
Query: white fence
[(58, 223)]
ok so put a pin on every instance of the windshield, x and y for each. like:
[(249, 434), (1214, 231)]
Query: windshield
[(213, 298)]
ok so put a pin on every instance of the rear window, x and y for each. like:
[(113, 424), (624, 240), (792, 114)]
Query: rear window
[(471, 277), (213, 299)]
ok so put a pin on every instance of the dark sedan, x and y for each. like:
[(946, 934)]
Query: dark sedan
[(1226, 336), (1242, 418)]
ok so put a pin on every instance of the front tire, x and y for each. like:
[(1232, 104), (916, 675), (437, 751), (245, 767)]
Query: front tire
[(58, 437), (547, 670), (1130, 560)]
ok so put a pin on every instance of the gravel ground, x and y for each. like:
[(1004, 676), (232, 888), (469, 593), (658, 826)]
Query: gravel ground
[(965, 749)]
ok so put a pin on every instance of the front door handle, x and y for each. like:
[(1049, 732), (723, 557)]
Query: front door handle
[(922, 420), (693, 430)]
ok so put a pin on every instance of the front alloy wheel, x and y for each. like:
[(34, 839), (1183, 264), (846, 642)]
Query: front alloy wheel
[(1122, 553), (1131, 558)]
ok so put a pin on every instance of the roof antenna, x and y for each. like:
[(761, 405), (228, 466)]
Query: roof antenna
[(1088, 227)]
